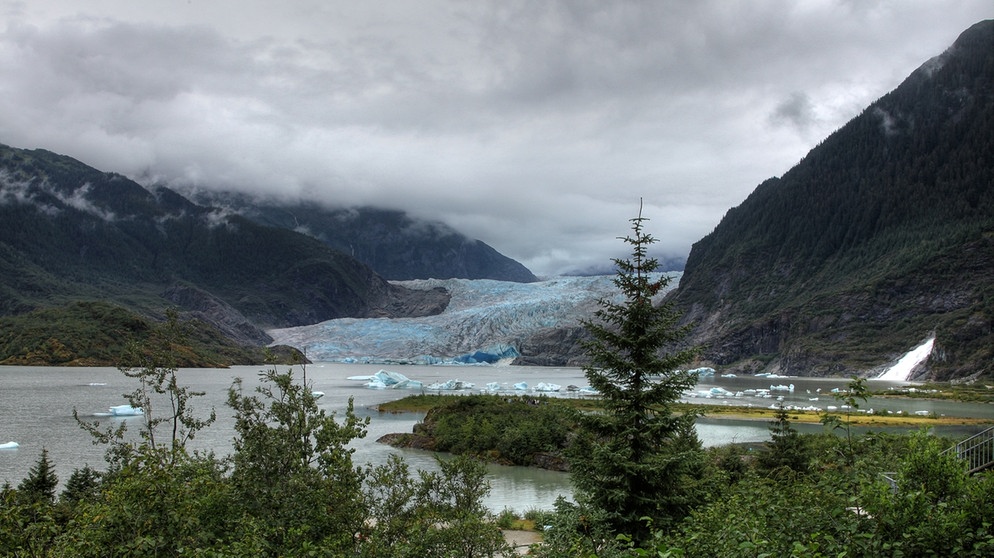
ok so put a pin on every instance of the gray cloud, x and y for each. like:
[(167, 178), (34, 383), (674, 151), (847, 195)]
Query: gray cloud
[(797, 110), (534, 126)]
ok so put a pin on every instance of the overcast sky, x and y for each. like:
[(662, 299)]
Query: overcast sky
[(533, 126)]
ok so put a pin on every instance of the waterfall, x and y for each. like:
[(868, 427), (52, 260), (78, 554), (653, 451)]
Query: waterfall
[(902, 369)]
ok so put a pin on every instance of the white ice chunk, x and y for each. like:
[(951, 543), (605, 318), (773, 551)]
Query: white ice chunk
[(544, 387), (125, 411)]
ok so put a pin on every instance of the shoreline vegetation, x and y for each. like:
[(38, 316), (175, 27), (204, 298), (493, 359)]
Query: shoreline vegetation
[(534, 431), (424, 403)]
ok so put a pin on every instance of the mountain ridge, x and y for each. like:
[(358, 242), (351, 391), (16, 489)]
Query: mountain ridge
[(882, 236), (71, 233), (396, 245)]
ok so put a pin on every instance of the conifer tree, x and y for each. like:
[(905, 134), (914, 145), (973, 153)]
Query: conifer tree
[(40, 484), (786, 448), (637, 458)]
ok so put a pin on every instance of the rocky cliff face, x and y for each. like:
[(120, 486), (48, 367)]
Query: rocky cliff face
[(200, 304), (553, 347)]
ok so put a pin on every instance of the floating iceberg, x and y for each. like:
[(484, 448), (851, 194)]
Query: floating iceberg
[(125, 411), (702, 372), (10, 445), (451, 385), (385, 379), (521, 386), (544, 387), (317, 394), (493, 386)]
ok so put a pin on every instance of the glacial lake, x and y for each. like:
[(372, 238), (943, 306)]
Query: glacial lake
[(36, 406)]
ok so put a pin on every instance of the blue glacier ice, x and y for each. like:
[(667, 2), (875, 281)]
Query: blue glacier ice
[(484, 323)]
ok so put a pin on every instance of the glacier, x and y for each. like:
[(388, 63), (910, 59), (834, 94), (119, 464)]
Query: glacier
[(485, 322)]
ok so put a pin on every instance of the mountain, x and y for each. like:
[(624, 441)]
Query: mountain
[(397, 246), (70, 233), (880, 238)]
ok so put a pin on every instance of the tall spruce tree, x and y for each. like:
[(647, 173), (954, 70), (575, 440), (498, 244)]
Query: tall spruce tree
[(40, 484), (637, 459)]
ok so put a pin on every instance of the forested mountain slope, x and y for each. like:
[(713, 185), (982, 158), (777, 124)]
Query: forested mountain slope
[(69, 233), (882, 236), (397, 246)]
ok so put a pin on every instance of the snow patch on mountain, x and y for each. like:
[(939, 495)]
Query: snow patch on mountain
[(483, 317)]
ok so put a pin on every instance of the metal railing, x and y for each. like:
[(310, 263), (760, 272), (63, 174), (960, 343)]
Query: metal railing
[(977, 451)]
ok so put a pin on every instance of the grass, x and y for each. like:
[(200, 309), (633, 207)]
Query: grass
[(857, 419)]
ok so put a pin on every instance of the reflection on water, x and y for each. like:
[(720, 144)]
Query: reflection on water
[(36, 406)]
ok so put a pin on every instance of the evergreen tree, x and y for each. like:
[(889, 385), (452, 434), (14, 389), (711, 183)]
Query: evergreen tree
[(786, 447), (82, 484), (637, 459), (39, 486)]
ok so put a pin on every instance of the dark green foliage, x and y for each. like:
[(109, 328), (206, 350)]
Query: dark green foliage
[(935, 509), (82, 485), (433, 514), (87, 333), (40, 484), (765, 517), (157, 503), (511, 430), (787, 447), (84, 333), (579, 529), (637, 459), (825, 514), (293, 473)]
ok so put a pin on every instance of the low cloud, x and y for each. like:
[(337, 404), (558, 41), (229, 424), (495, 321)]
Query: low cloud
[(535, 127)]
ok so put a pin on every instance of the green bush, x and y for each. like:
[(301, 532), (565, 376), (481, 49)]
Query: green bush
[(510, 430)]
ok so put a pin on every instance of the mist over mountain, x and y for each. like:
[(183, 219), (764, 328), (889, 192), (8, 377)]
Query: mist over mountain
[(396, 245), (881, 237), (71, 233)]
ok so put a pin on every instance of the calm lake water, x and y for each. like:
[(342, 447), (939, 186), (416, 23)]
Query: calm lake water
[(36, 406)]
